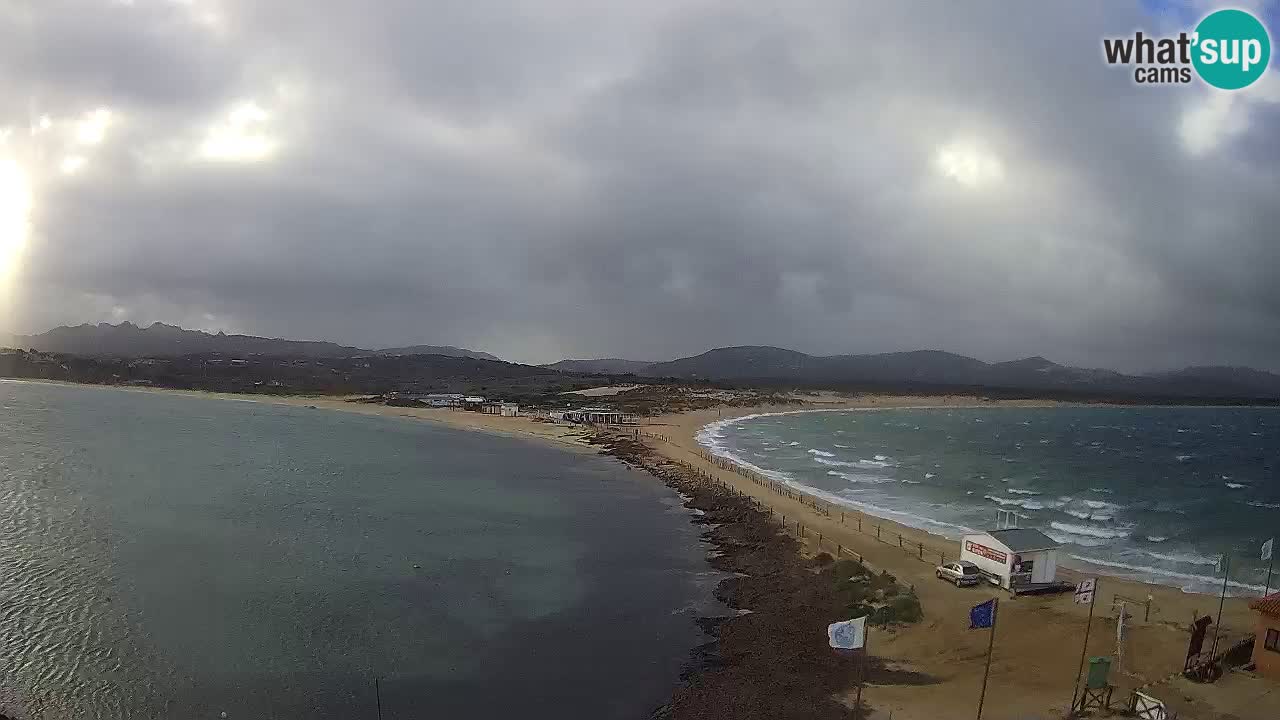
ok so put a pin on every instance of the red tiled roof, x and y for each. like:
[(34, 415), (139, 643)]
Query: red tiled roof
[(1269, 604)]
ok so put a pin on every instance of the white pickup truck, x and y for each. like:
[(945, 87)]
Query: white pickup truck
[(960, 573)]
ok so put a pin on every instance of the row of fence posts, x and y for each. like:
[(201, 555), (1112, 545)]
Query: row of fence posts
[(847, 517)]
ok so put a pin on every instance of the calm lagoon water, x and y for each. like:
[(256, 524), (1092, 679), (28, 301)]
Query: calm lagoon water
[(169, 556), (1156, 493)]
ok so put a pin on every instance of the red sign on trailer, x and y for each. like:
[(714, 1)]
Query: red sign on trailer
[(986, 552)]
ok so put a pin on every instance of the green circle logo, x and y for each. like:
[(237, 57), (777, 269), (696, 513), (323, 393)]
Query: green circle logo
[(1232, 49)]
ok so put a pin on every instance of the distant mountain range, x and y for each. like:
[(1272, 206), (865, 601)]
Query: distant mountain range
[(931, 369), (938, 368), (607, 366), (160, 340), (446, 350)]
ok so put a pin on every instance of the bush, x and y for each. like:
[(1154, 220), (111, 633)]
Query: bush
[(903, 608), (822, 559)]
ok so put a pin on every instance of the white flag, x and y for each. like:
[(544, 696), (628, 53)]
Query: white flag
[(848, 635), (1266, 548), (1217, 566), (1084, 591)]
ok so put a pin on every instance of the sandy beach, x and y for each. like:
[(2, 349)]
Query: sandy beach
[(1039, 643), (1038, 648)]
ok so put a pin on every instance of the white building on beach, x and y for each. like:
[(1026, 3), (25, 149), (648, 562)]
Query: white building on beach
[(1016, 559)]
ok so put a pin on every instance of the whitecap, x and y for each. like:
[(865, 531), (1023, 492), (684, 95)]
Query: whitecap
[(1020, 491), (1260, 504), (1156, 538), (910, 482), (928, 475), (1090, 531), (1189, 557), (821, 453), (1184, 458), (1198, 583), (1236, 486), (863, 479)]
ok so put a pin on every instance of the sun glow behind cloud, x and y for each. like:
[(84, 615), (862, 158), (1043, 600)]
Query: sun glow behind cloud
[(241, 136), (969, 164), (15, 225)]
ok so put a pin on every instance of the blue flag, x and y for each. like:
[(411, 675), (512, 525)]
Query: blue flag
[(983, 616)]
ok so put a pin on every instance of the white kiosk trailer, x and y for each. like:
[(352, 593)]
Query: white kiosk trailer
[(1020, 560)]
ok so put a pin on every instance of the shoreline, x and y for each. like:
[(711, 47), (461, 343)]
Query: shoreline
[(1036, 661), (1080, 565), (1042, 665)]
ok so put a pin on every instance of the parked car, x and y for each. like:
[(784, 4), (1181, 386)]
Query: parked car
[(960, 573)]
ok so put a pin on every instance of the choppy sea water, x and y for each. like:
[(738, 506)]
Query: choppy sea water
[(1152, 493), (165, 556)]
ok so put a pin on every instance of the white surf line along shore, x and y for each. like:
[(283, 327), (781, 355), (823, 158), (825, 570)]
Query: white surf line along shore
[(949, 531)]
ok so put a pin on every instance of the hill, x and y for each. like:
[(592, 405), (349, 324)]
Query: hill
[(446, 350), (161, 340), (606, 366), (938, 369)]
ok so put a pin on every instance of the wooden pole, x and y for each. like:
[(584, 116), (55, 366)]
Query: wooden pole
[(862, 673), (991, 644), (1217, 627), (377, 694), (1267, 590), (1084, 650)]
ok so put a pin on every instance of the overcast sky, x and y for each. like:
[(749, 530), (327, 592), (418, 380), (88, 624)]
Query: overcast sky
[(576, 178)]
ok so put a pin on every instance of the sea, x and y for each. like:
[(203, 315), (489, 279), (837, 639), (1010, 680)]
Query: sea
[(1167, 495), (172, 556)]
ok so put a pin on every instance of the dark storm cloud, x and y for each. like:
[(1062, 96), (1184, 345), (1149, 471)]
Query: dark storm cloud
[(552, 179)]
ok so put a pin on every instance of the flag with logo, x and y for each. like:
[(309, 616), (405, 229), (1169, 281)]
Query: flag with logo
[(983, 615), (1085, 590), (1266, 548), (848, 634)]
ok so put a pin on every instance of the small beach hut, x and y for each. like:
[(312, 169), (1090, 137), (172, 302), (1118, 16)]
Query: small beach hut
[(1266, 643), (1016, 559)]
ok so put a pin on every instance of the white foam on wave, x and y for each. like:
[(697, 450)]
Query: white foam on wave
[(1024, 503), (882, 458), (1184, 458), (1190, 558), (1236, 486), (1089, 531), (860, 479), (1020, 491), (910, 482), (821, 453), (793, 443), (1191, 583), (833, 463), (1085, 515), (928, 475), (1260, 504), (1156, 538)]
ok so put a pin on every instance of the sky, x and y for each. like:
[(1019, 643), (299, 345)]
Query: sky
[(544, 179)]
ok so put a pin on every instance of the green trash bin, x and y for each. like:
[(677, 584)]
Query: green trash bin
[(1099, 668)]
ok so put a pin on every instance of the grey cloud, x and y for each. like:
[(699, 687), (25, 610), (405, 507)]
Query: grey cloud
[(547, 180)]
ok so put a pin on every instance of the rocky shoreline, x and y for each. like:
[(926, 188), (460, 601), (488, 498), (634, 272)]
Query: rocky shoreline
[(771, 659)]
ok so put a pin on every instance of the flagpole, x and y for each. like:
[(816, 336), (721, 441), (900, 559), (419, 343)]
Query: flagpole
[(1084, 650), (862, 675), (1270, 567), (1217, 627), (995, 612)]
